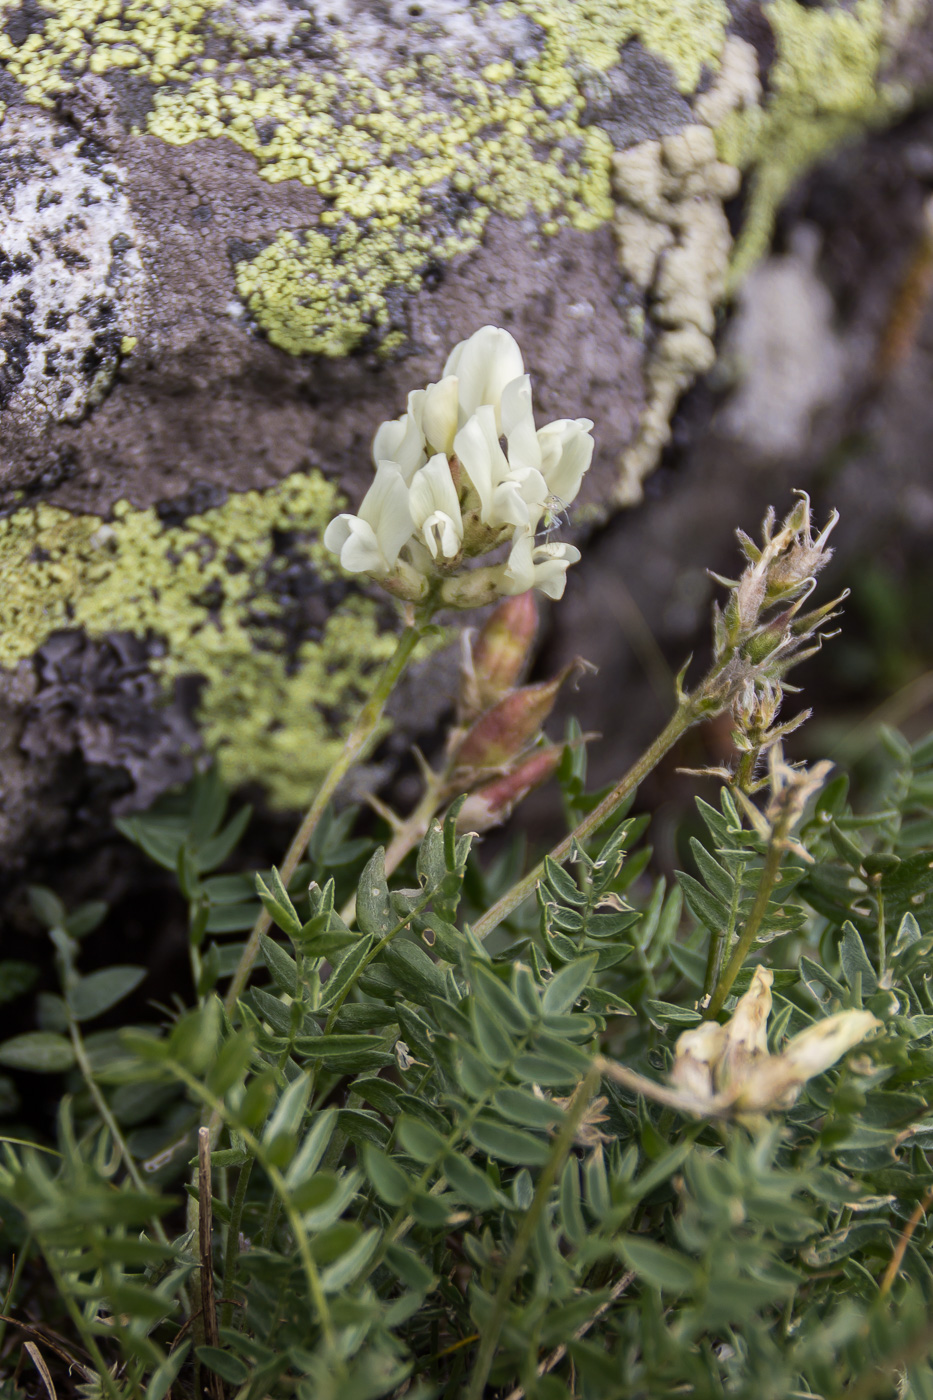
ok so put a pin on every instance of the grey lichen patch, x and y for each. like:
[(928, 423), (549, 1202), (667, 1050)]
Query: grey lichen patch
[(674, 245), (70, 269)]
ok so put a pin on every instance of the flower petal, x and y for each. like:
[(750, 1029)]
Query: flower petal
[(440, 415), (518, 424), (435, 507), (484, 364), (401, 441), (478, 454), (385, 508), (360, 552)]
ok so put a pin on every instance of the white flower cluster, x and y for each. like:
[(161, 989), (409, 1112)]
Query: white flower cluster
[(461, 472)]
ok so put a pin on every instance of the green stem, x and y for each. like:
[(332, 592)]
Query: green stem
[(882, 944), (252, 1143), (359, 737), (720, 938), (103, 1108), (19, 1262), (769, 874), (107, 1382), (683, 718), (233, 1242), (563, 1142)]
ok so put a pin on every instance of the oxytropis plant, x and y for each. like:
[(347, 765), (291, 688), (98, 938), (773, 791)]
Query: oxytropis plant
[(489, 1131)]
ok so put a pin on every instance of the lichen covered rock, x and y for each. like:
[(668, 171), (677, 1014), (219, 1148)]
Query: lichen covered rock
[(253, 226), (70, 269)]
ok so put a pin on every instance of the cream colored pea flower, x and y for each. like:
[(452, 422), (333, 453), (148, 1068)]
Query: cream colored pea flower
[(561, 451), (460, 473), (371, 541), (541, 566), (484, 364), (507, 495), (435, 508)]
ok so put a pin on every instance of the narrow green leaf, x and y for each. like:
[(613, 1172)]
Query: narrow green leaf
[(658, 1265), (229, 1368), (562, 884), (16, 978), (282, 967), (348, 969), (811, 971), (290, 1109), (419, 1139), (93, 995), (712, 912), (716, 878), (470, 1184), (666, 1013), (308, 1157), (386, 1176), (40, 1051), (278, 903), (47, 907), (409, 1268), (214, 852), (523, 1107), (350, 1265), (232, 1063), (419, 977), (508, 1144), (856, 961), (373, 910), (566, 986)]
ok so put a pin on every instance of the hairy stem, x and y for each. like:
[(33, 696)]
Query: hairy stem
[(719, 939), (682, 719), (357, 740), (769, 873)]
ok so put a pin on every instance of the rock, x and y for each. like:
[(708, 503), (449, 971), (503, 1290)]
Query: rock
[(235, 233)]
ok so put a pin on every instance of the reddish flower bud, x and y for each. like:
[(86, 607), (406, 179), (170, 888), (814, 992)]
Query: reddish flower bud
[(494, 662), (503, 732), (493, 803)]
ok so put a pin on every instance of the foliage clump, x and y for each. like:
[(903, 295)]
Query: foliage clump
[(439, 1127)]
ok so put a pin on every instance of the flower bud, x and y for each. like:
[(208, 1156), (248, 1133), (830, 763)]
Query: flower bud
[(493, 803), (763, 644), (493, 663), (504, 731)]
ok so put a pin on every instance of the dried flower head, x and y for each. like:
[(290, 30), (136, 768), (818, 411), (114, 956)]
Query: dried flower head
[(726, 1071)]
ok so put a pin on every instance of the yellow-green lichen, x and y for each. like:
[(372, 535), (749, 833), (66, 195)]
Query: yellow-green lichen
[(409, 162), (824, 89), (199, 587)]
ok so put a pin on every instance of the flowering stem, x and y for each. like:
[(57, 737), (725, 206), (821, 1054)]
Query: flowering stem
[(769, 874), (681, 720), (719, 938), (356, 742)]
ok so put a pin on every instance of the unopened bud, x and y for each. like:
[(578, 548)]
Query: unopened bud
[(503, 732), (763, 644), (494, 662), (493, 803)]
